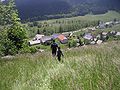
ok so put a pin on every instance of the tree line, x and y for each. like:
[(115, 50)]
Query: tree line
[(58, 26)]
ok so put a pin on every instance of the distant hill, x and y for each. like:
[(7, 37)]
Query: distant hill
[(45, 9)]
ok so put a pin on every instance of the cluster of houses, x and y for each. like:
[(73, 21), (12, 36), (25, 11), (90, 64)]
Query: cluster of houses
[(100, 38), (64, 38), (88, 37), (46, 40), (103, 25)]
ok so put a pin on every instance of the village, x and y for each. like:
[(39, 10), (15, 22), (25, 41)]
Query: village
[(87, 37)]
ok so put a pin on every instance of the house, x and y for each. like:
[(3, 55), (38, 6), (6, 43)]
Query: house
[(88, 36), (109, 24), (62, 39), (46, 40), (105, 25), (104, 33), (38, 37), (117, 22), (99, 42), (55, 36), (118, 34), (104, 36), (93, 43), (113, 33), (101, 25), (35, 42)]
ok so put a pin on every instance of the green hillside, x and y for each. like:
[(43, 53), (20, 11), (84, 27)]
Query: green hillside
[(110, 15), (49, 27), (46, 9), (85, 68)]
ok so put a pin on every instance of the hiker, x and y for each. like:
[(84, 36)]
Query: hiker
[(59, 54), (54, 47)]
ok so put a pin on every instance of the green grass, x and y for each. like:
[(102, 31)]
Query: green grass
[(110, 15), (71, 24), (85, 68)]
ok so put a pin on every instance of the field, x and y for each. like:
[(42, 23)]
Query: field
[(84, 68), (110, 15), (49, 27)]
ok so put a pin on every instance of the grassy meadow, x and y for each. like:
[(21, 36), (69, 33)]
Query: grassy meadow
[(49, 27), (84, 68), (110, 15)]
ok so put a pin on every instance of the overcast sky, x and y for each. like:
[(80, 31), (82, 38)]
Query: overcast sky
[(2, 0)]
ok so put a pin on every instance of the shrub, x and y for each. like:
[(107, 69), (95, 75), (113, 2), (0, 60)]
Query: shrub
[(33, 49), (72, 43), (16, 33), (86, 42)]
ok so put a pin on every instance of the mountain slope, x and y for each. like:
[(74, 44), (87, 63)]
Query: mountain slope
[(85, 68), (31, 8)]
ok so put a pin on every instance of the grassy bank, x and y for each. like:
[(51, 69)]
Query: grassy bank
[(85, 68)]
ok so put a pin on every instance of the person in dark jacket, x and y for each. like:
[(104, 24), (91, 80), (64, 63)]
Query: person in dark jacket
[(59, 54), (54, 47)]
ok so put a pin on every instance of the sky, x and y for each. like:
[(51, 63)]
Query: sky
[(2, 0)]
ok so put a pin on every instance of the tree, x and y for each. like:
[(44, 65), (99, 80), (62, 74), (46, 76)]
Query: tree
[(7, 11), (17, 34), (13, 34), (60, 29), (35, 23)]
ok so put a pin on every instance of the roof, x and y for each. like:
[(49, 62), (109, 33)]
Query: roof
[(99, 41), (38, 37), (34, 42), (55, 36), (67, 34), (118, 34), (61, 37), (104, 33), (46, 38), (92, 28), (88, 36), (101, 26), (108, 23)]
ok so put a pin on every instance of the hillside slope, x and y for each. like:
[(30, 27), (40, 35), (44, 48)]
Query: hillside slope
[(91, 67), (44, 8)]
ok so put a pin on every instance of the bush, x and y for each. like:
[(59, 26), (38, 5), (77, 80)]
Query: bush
[(33, 49), (118, 37), (111, 38), (86, 42), (17, 34), (72, 43), (28, 49), (7, 47)]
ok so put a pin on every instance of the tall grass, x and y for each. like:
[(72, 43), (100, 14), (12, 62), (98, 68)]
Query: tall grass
[(84, 68)]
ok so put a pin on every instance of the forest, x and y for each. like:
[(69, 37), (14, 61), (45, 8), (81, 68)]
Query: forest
[(30, 10)]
